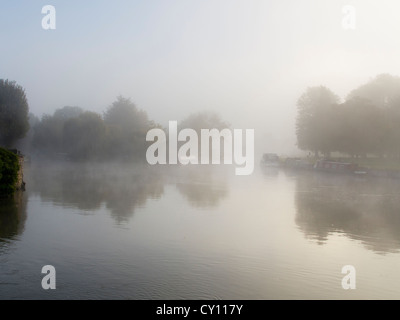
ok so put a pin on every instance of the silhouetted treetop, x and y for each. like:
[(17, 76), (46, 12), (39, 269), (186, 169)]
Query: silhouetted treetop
[(14, 110)]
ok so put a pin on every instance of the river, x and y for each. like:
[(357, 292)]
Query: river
[(116, 231)]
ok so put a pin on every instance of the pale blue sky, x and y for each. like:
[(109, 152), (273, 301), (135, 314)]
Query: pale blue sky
[(248, 60)]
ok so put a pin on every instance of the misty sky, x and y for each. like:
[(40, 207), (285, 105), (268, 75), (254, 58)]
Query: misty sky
[(247, 60)]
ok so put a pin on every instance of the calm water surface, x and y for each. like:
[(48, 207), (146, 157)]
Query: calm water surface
[(120, 232)]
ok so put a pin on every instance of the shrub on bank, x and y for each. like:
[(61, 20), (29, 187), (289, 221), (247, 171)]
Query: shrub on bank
[(9, 168)]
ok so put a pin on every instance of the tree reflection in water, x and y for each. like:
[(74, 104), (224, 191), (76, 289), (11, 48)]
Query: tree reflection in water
[(203, 187), (122, 188), (12, 217), (362, 209)]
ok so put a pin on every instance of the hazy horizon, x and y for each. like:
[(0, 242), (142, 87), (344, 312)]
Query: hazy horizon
[(247, 60), (277, 176)]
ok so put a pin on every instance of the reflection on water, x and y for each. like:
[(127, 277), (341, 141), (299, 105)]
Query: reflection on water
[(12, 216), (122, 188), (362, 209), (202, 188), (144, 232), (87, 187), (270, 171)]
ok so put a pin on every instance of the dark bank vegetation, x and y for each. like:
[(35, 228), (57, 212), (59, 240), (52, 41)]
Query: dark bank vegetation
[(13, 113), (9, 167)]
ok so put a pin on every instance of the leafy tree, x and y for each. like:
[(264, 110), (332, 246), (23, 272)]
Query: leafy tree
[(48, 133), (203, 120), (68, 112), (25, 144), (392, 125), (127, 128), (361, 128), (84, 136), (366, 123), (383, 91), (13, 113), (314, 123)]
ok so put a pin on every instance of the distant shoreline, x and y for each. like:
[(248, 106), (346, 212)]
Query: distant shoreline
[(367, 166)]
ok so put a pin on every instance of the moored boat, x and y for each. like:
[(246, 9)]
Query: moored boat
[(270, 160), (336, 166)]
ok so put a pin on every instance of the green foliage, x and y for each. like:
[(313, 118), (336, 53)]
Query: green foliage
[(14, 109), (9, 167)]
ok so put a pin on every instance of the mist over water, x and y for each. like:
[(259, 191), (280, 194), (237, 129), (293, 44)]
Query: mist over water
[(89, 91), (141, 232)]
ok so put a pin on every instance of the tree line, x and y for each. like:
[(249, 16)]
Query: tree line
[(73, 133), (76, 134), (366, 123)]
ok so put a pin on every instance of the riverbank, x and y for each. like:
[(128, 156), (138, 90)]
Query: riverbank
[(11, 172), (373, 167)]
